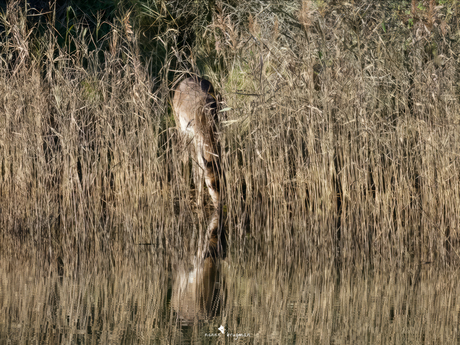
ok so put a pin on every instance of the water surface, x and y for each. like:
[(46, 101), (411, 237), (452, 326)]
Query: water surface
[(144, 303)]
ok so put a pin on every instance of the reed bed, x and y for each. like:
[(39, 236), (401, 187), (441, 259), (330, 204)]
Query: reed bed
[(339, 135)]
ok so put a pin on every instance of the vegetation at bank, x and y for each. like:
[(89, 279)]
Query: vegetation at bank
[(340, 130)]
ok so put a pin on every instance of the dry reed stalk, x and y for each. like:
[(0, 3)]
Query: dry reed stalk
[(357, 164)]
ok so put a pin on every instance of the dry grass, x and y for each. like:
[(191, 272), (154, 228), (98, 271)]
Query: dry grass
[(358, 163), (342, 142)]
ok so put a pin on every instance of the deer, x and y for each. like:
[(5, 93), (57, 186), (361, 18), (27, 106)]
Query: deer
[(195, 106)]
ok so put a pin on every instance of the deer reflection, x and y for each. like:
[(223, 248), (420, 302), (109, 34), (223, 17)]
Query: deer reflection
[(198, 294)]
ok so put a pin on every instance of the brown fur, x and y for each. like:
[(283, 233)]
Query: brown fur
[(195, 111)]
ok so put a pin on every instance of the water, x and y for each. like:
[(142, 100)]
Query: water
[(145, 303)]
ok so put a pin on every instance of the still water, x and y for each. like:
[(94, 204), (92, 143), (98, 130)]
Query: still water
[(145, 302)]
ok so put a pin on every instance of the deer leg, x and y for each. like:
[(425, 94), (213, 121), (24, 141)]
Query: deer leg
[(198, 180)]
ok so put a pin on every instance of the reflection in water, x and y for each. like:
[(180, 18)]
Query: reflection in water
[(143, 302), (197, 294)]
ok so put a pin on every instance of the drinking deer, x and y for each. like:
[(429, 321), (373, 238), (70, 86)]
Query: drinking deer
[(196, 114)]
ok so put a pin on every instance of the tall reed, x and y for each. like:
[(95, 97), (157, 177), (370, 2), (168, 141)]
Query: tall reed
[(339, 137)]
